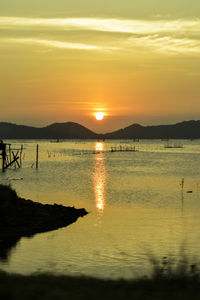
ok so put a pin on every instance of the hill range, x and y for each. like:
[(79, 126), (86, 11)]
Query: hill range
[(71, 130)]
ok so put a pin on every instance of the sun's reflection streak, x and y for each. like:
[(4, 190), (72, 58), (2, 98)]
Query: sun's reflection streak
[(99, 177)]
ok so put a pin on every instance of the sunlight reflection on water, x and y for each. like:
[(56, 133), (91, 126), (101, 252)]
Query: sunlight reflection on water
[(99, 177)]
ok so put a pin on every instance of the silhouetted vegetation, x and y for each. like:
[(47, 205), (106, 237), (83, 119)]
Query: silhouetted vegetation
[(20, 217), (171, 268), (171, 280), (163, 285)]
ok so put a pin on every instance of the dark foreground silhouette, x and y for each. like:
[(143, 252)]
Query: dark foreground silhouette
[(24, 218), (46, 286)]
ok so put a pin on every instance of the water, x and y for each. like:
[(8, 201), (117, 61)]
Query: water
[(136, 206)]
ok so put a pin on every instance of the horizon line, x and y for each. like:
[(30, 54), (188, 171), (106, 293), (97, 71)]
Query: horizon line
[(184, 121)]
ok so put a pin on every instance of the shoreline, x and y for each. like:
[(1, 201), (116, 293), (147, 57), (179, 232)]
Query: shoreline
[(49, 286), (24, 218)]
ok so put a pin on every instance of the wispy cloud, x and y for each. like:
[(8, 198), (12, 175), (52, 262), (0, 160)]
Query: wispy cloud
[(168, 37), (108, 25), (56, 44), (164, 44)]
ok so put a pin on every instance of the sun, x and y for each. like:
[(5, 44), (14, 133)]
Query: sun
[(99, 116)]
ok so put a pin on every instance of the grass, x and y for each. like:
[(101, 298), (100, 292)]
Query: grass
[(169, 281), (171, 268)]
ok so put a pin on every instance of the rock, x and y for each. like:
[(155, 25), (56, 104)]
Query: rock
[(24, 218)]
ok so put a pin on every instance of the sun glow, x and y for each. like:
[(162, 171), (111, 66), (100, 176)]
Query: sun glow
[(99, 116)]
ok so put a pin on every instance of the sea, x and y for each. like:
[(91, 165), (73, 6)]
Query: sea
[(142, 198)]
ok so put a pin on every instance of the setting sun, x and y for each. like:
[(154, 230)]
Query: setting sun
[(99, 116)]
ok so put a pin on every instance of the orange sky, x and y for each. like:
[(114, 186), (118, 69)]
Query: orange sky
[(64, 63)]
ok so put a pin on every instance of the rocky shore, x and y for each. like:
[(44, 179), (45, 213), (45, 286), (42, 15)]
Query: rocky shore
[(24, 218)]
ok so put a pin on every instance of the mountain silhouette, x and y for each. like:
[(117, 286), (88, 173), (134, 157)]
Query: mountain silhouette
[(71, 130), (182, 130), (68, 130)]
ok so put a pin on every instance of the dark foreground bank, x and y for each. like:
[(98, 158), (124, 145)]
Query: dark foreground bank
[(63, 287), (24, 218)]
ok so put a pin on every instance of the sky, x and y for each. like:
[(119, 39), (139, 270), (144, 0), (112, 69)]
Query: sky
[(137, 61)]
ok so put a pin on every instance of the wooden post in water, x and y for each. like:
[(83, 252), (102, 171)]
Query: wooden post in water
[(182, 197), (4, 159), (3, 149), (21, 156), (10, 156), (37, 156)]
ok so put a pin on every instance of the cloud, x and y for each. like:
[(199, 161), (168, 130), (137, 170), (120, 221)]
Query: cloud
[(160, 36), (107, 25), (164, 44), (56, 44)]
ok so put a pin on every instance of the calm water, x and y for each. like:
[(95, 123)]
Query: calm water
[(137, 208)]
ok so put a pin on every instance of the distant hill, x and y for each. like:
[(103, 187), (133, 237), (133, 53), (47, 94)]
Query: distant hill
[(183, 130), (71, 130), (68, 130)]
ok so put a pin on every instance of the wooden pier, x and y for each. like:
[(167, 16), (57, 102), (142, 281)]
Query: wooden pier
[(123, 148), (10, 157), (175, 145)]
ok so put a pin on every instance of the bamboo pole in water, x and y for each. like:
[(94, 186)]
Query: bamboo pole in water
[(21, 155), (37, 148)]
